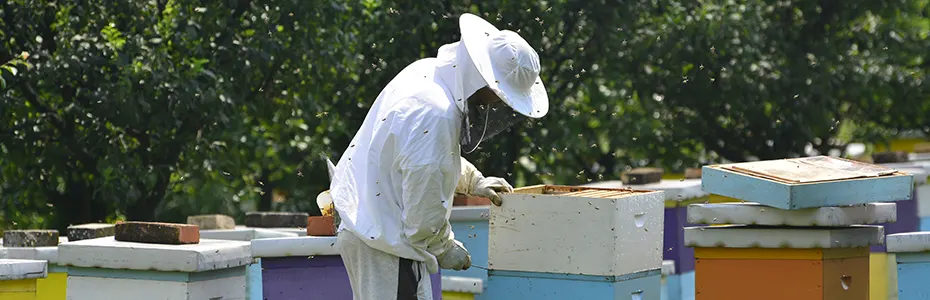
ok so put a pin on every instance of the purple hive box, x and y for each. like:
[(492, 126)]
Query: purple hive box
[(674, 248), (308, 268), (908, 221)]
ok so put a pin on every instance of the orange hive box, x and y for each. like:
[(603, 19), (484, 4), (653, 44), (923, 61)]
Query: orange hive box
[(742, 262)]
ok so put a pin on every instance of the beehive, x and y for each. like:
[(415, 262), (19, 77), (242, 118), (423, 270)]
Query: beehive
[(746, 262), (18, 278), (807, 182), (52, 287), (577, 230), (912, 254), (470, 226), (307, 267), (108, 269)]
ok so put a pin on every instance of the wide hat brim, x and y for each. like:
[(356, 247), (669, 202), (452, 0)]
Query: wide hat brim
[(476, 35)]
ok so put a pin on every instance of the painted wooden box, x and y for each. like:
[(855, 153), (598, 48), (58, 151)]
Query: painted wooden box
[(671, 288), (461, 288), (104, 268), (55, 285), (470, 226), (253, 273), (912, 254), (745, 262), (519, 285), (18, 278), (307, 267), (807, 182), (577, 230)]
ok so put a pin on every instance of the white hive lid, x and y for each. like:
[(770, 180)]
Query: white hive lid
[(749, 213), (459, 284), (19, 269), (109, 253), (741, 236), (294, 246), (908, 242)]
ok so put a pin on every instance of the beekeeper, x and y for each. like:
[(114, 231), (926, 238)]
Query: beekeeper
[(394, 184)]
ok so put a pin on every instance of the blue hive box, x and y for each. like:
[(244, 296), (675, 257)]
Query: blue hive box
[(807, 182), (519, 285)]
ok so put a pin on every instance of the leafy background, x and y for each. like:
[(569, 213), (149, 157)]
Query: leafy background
[(155, 110)]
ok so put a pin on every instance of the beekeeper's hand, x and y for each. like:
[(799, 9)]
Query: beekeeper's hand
[(490, 187), (456, 258), (473, 183)]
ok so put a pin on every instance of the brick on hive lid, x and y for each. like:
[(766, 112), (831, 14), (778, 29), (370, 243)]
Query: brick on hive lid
[(465, 200), (693, 173), (30, 238), (922, 148), (321, 226), (269, 219), (211, 222), (889, 157), (157, 233), (90, 231), (642, 176)]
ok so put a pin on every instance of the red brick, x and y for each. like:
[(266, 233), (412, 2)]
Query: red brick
[(463, 200), (321, 226), (693, 173), (157, 233)]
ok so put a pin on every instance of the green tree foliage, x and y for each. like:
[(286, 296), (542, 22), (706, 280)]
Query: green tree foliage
[(154, 110)]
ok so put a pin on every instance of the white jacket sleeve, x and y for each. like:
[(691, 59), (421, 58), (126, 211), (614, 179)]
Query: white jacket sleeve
[(429, 174), (469, 178)]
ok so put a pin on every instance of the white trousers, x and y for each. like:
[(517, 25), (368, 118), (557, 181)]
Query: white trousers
[(376, 275)]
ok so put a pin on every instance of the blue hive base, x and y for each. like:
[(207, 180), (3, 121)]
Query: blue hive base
[(517, 285), (913, 271)]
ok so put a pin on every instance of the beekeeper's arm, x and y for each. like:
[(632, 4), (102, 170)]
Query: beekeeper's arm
[(427, 166), (474, 183)]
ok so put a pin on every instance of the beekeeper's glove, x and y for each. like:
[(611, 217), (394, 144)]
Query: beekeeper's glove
[(456, 258), (472, 182)]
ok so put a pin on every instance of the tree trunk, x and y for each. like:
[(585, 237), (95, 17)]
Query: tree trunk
[(75, 207)]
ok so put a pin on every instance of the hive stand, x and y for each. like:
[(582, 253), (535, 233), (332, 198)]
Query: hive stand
[(307, 267), (18, 278), (596, 244), (104, 268)]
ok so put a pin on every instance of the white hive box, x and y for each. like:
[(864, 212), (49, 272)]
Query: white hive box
[(104, 268), (748, 213), (577, 230)]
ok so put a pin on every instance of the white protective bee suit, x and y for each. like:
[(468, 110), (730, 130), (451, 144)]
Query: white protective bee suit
[(394, 184)]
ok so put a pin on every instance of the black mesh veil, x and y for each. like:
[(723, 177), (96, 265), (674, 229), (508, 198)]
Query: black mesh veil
[(484, 121)]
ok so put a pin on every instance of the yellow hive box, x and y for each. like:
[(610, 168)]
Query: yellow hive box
[(55, 285), (18, 278), (461, 288)]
